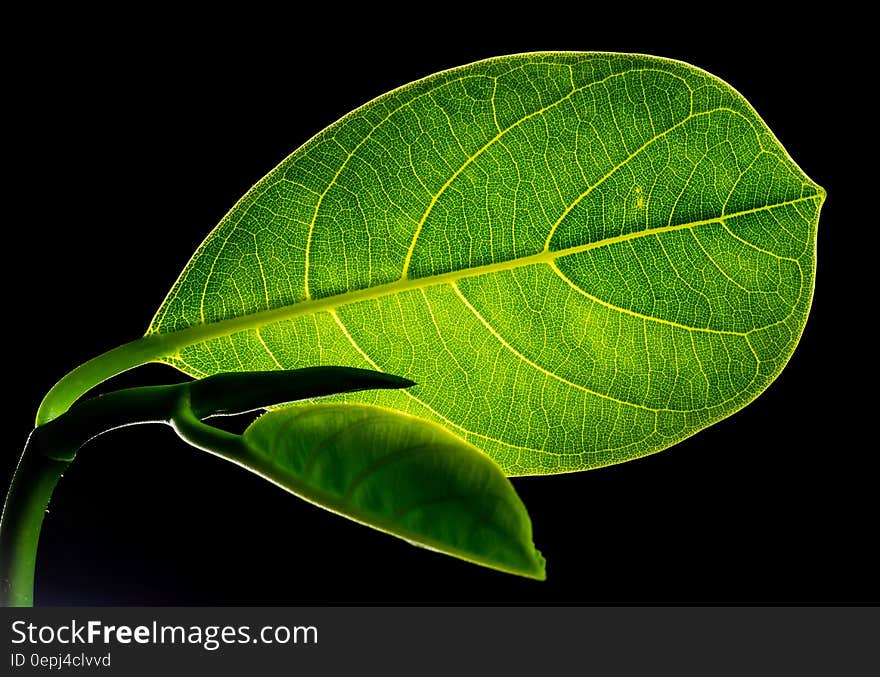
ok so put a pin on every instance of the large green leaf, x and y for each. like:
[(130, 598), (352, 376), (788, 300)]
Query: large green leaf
[(399, 474), (580, 258)]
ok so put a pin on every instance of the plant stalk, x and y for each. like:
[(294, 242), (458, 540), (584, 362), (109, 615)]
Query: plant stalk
[(35, 479), (52, 446)]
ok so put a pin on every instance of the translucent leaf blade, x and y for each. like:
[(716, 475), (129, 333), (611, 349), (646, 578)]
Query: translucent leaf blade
[(401, 475), (581, 258)]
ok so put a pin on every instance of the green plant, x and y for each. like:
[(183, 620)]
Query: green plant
[(580, 258)]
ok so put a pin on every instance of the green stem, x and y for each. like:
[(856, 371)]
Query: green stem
[(49, 451), (208, 438), (97, 370), (35, 479), (53, 445)]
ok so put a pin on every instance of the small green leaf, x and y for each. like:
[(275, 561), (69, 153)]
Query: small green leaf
[(217, 395), (401, 475)]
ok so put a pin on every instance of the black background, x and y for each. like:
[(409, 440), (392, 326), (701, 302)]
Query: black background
[(129, 146)]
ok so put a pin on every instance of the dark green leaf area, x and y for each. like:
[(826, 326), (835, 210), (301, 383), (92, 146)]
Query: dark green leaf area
[(399, 474)]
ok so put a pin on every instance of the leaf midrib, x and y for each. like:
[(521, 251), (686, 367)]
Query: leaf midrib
[(172, 341)]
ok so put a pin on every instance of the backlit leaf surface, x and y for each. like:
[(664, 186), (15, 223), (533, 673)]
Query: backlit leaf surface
[(580, 258)]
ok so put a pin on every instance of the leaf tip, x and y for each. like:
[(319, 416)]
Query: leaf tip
[(403, 382), (540, 571), (534, 567)]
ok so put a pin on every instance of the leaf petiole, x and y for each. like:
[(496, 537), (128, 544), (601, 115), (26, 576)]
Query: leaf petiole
[(51, 447)]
